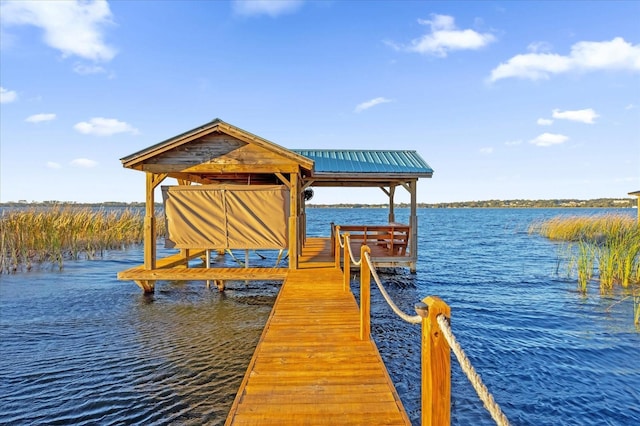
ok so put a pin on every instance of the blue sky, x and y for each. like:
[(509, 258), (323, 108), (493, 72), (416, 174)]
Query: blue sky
[(534, 100)]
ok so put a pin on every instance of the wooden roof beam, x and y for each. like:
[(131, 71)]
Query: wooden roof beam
[(284, 180), (133, 160), (220, 168)]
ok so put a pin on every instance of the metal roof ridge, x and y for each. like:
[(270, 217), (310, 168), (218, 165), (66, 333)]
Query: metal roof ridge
[(352, 150)]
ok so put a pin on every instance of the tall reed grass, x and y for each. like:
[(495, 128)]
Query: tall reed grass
[(605, 245), (51, 235)]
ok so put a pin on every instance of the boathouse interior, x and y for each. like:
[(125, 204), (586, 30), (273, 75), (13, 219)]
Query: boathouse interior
[(233, 190)]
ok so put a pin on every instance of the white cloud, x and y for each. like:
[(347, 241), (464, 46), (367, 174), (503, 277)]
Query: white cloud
[(630, 106), (84, 69), (445, 37), (533, 66), (539, 46), (370, 104), (7, 96), (39, 118), (486, 150), (544, 122), (582, 115), (73, 27), (548, 139), (272, 8), (84, 163), (513, 143), (100, 126), (53, 165), (616, 54)]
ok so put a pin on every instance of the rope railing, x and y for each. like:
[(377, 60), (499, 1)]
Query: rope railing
[(482, 391), (437, 341), (337, 231), (348, 244), (411, 319), (345, 241)]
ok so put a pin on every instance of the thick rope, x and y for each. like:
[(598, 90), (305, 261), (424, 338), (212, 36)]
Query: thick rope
[(412, 319), (474, 378), (347, 242), (339, 238), (482, 391)]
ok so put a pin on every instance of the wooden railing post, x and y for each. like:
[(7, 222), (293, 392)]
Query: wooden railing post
[(436, 364), (365, 295), (336, 241), (346, 284)]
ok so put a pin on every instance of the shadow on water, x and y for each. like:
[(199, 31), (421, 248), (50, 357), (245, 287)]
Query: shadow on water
[(106, 354), (200, 341)]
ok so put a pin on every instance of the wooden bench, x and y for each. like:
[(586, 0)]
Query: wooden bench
[(394, 236)]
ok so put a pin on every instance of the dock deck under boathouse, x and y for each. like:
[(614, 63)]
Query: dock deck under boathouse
[(315, 362)]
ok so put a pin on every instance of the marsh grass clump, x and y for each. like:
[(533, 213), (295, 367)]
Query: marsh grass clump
[(612, 242), (584, 262), (51, 235)]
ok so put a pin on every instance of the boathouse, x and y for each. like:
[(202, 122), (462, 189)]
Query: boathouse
[(315, 361), (233, 190)]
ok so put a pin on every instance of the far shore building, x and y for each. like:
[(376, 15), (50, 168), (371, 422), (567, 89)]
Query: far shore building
[(637, 194)]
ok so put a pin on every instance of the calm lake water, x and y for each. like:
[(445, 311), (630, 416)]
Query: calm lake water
[(79, 347)]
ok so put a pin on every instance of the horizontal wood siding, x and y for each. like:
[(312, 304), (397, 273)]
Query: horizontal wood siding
[(219, 153), (199, 151)]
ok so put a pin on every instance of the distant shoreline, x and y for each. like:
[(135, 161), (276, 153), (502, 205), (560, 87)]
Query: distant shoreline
[(552, 203)]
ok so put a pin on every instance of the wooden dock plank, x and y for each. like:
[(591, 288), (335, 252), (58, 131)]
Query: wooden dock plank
[(310, 366), (343, 419), (267, 274)]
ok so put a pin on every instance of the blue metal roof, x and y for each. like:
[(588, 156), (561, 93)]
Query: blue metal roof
[(365, 161)]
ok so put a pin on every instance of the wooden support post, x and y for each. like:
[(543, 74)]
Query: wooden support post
[(413, 222), (346, 284), (436, 364), (294, 236), (365, 295), (207, 262), (333, 239), (147, 286), (185, 255), (149, 227), (149, 230), (336, 245), (153, 180), (149, 242), (392, 192)]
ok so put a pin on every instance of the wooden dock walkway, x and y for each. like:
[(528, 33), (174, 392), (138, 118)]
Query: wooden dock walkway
[(310, 366)]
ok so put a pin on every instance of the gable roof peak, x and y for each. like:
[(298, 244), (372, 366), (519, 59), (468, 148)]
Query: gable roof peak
[(216, 125)]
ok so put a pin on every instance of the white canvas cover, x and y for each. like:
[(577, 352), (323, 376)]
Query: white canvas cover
[(227, 216)]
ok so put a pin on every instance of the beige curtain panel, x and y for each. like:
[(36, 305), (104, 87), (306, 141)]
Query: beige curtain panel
[(227, 216)]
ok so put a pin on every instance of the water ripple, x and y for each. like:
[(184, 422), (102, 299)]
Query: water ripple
[(79, 347)]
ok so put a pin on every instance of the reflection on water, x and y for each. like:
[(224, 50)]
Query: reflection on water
[(80, 347), (204, 343), (114, 356)]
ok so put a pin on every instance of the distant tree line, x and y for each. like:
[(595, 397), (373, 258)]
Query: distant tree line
[(594, 203), (53, 203)]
